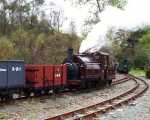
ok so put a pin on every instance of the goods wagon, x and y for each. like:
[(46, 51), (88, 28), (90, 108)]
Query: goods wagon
[(12, 77), (45, 77)]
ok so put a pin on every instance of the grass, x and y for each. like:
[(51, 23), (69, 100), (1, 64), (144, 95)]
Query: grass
[(137, 72)]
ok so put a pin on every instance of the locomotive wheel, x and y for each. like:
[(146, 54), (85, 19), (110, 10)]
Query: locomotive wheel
[(98, 83), (89, 85), (83, 85), (109, 82)]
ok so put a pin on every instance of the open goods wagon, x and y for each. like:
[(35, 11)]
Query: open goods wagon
[(45, 77)]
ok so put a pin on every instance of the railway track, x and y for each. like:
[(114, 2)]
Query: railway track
[(47, 95), (93, 111)]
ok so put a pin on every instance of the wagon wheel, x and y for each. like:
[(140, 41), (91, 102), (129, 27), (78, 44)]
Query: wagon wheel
[(27, 93), (6, 97), (38, 93)]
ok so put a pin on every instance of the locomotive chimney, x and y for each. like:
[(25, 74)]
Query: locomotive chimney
[(70, 55)]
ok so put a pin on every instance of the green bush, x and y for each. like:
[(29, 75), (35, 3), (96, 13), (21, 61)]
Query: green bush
[(148, 72)]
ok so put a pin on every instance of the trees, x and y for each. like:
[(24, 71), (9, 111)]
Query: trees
[(100, 4), (6, 48), (142, 56), (56, 18), (26, 33), (19, 14), (134, 45), (3, 16), (118, 3)]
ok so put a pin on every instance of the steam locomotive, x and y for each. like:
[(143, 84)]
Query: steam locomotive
[(77, 71), (124, 66), (89, 69)]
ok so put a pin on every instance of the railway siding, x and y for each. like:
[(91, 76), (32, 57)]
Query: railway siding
[(138, 109)]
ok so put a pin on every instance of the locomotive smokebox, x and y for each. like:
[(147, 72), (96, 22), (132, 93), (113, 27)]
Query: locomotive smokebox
[(70, 55)]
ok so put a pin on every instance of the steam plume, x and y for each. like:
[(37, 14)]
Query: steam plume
[(135, 16)]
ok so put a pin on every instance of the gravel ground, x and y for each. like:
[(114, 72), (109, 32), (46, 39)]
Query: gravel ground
[(137, 110), (40, 108)]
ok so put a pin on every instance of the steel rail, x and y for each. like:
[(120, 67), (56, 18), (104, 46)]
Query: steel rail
[(91, 111)]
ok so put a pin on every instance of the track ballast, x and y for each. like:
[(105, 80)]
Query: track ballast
[(90, 112)]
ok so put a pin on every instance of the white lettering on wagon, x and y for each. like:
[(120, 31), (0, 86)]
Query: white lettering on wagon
[(57, 75), (3, 70), (16, 69)]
